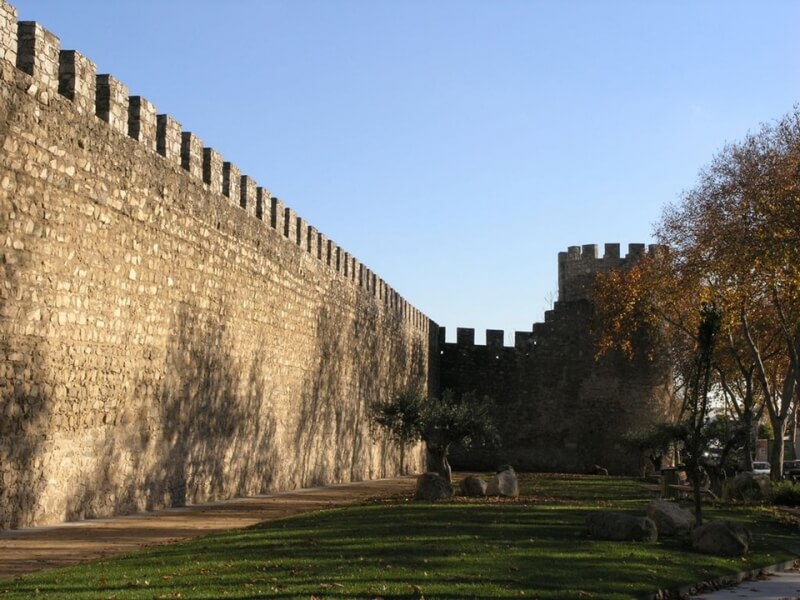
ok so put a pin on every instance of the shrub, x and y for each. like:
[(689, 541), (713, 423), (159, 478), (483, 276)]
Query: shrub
[(464, 421), (785, 493)]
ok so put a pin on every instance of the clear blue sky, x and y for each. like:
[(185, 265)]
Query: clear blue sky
[(456, 147)]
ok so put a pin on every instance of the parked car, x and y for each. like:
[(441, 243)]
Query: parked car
[(761, 468), (791, 470)]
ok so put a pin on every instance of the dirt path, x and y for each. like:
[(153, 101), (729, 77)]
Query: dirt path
[(27, 550)]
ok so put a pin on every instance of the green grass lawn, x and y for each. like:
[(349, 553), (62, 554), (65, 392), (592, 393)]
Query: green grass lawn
[(533, 547)]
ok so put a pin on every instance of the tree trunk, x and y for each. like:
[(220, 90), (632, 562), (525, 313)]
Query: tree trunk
[(441, 464), (776, 452), (698, 496), (748, 440), (446, 471), (777, 403)]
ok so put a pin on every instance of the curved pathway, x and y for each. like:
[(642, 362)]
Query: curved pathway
[(27, 550), (784, 585)]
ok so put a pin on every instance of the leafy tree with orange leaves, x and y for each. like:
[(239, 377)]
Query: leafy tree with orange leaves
[(739, 230), (734, 241)]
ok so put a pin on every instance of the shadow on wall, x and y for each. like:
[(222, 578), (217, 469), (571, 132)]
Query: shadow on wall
[(208, 430), (26, 396), (205, 432), (369, 360), (25, 409), (218, 428)]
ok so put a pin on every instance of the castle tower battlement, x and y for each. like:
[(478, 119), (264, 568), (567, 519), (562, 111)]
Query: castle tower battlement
[(557, 407), (578, 266)]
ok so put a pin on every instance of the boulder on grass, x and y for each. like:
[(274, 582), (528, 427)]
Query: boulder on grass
[(473, 486), (504, 484), (670, 519), (606, 525), (722, 538), (432, 486)]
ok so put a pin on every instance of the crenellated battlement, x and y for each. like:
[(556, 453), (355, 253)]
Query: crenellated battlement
[(167, 319), (578, 266), (576, 270), (495, 338), (35, 51), (559, 407)]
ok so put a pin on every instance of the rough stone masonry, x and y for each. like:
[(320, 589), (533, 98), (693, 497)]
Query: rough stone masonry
[(171, 333), (557, 407)]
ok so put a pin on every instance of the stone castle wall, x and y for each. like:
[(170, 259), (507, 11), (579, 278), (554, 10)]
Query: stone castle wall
[(558, 409), (169, 331)]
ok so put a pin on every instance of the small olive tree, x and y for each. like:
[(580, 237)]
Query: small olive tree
[(401, 418), (451, 421), (441, 423)]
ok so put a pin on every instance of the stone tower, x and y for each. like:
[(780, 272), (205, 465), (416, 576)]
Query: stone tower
[(559, 408)]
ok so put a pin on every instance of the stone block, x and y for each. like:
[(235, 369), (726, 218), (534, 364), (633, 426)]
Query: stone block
[(192, 154), (523, 339), (276, 215), (670, 519), (290, 224), (38, 54), (142, 121), (504, 484), (473, 486), (607, 525), (611, 251), (168, 138), (346, 267), (465, 336), (432, 487), (212, 170), (312, 239), (722, 538), (248, 194), (262, 203), (232, 183), (112, 102), (322, 247), (635, 250), (494, 337), (77, 80)]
